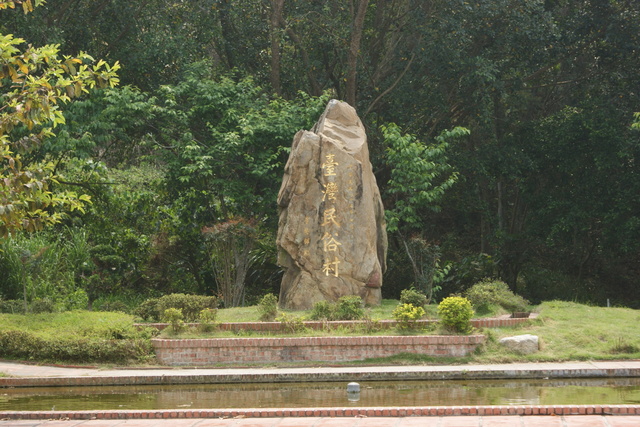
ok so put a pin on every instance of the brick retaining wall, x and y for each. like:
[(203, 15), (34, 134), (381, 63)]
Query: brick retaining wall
[(207, 352)]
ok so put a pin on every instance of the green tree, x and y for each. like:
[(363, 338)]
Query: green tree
[(228, 144), (152, 38), (33, 84), (225, 146), (419, 177)]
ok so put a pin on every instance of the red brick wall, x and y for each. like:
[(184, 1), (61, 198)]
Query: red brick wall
[(207, 352)]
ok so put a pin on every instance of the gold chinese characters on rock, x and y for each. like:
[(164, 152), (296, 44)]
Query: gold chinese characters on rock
[(330, 218)]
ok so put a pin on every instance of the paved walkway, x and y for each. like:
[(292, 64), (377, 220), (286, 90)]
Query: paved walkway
[(453, 421), (21, 375), (590, 369), (494, 421)]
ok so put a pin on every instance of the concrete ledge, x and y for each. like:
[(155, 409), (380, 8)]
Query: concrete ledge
[(59, 377), (207, 352), (426, 411)]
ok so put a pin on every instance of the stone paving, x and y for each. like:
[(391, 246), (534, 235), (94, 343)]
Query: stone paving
[(453, 421), (528, 416)]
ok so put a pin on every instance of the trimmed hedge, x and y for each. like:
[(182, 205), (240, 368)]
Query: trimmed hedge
[(29, 346), (75, 336)]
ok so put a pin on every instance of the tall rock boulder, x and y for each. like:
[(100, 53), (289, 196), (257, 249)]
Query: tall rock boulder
[(331, 239)]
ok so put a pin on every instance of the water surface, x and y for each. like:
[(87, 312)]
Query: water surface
[(333, 394)]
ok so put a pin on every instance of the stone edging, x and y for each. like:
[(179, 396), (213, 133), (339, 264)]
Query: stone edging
[(426, 411)]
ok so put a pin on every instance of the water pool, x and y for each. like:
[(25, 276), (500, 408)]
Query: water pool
[(330, 394)]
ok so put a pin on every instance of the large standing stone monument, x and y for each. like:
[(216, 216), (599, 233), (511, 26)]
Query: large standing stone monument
[(331, 240)]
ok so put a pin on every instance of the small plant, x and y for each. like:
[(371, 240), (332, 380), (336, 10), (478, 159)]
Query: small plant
[(489, 294), (191, 306), (290, 323), (322, 310), (407, 315), (456, 313), (175, 317), (369, 326), (268, 308), (207, 319), (621, 346), (349, 307), (413, 297)]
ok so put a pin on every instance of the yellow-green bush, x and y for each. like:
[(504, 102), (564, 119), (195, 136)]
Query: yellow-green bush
[(407, 314), (456, 313)]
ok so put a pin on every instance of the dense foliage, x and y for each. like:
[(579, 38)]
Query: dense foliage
[(504, 136)]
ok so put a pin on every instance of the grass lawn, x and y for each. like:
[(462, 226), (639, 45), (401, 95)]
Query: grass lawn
[(567, 331), (571, 331), (251, 314)]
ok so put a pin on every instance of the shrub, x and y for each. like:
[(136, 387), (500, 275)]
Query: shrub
[(190, 305), (12, 306), (290, 323), (322, 310), (42, 305), (488, 294), (268, 308), (207, 319), (349, 307), (413, 297), (76, 300), (407, 315), (148, 310), (175, 317), (456, 313)]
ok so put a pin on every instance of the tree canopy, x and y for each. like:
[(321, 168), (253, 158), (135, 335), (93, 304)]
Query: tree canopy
[(541, 189)]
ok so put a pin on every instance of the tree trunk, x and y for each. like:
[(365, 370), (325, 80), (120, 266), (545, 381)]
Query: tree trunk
[(274, 30), (315, 89), (228, 32), (354, 47)]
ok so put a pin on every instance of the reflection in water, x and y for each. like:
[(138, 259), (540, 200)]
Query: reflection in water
[(297, 395)]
